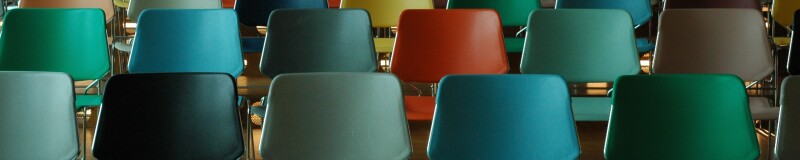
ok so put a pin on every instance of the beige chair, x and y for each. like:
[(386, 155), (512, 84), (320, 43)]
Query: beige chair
[(106, 5), (136, 7), (698, 41), (386, 14)]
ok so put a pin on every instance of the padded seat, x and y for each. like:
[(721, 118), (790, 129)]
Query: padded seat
[(599, 108), (88, 100), (419, 107), (514, 45), (384, 45)]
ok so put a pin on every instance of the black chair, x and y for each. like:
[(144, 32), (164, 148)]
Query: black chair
[(169, 116), (793, 63)]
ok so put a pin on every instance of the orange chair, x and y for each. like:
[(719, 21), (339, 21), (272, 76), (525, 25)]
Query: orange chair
[(334, 3), (436, 43), (228, 3)]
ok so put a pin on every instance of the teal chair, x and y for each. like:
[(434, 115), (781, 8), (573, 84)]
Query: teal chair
[(512, 13), (254, 13), (640, 10), (568, 42), (78, 48), (503, 117), (136, 7), (335, 116), (787, 143), (680, 117), (37, 117)]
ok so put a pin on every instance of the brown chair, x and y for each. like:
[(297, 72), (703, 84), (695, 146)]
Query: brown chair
[(686, 4), (106, 5)]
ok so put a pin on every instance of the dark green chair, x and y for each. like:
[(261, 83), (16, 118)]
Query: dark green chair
[(680, 117), (512, 13), (77, 47)]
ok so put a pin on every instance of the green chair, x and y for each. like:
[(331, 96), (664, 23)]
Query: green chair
[(335, 116), (78, 47), (512, 13), (568, 42), (680, 117), (37, 117)]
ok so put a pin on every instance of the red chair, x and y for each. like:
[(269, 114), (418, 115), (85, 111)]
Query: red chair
[(434, 43), (228, 3), (334, 3)]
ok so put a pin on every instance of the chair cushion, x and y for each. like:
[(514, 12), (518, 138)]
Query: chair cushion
[(88, 101), (384, 45), (514, 45), (420, 108)]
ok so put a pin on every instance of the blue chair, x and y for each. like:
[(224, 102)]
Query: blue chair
[(640, 11), (257, 13), (37, 117), (503, 117)]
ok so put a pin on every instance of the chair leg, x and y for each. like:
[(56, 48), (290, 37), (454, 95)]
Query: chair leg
[(84, 133)]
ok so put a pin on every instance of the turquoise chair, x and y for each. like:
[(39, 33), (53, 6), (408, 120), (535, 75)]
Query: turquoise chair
[(568, 42), (787, 143), (136, 7), (680, 117), (640, 10), (335, 116), (37, 117), (512, 13), (503, 117)]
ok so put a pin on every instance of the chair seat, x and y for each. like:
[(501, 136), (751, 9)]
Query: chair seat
[(122, 46), (384, 45), (121, 3), (599, 108), (644, 45), (781, 41), (514, 45), (88, 101), (420, 108), (252, 44)]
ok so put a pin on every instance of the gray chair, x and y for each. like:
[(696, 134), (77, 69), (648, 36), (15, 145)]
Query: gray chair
[(788, 141), (37, 116), (335, 116)]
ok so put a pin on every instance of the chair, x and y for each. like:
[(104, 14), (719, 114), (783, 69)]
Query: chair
[(687, 4), (698, 41), (294, 44), (136, 7), (793, 61), (640, 11), (169, 116), (254, 13), (37, 117), (334, 3), (680, 117), (783, 12), (503, 117), (78, 47), (105, 5), (559, 42), (787, 140), (386, 14), (167, 40), (429, 48), (228, 3), (335, 116), (512, 13)]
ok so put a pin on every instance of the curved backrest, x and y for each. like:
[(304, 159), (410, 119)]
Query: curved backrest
[(680, 117), (257, 12), (793, 62), (295, 42), (334, 3), (686, 4), (783, 11), (512, 12), (698, 41), (531, 120), (78, 46), (169, 116), (386, 13), (106, 5), (640, 10), (37, 117), (787, 142), (335, 116), (167, 40), (136, 7), (568, 42), (429, 47)]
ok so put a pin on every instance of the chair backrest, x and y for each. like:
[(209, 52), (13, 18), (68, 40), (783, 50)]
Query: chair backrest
[(698, 41), (37, 117), (169, 116), (680, 117), (512, 12), (783, 11), (318, 40), (686, 4), (334, 3), (228, 3), (106, 5), (532, 119), (787, 142), (640, 10), (793, 62), (335, 116), (386, 13), (77, 46), (136, 7), (568, 42), (435, 43), (171, 40), (257, 12)]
